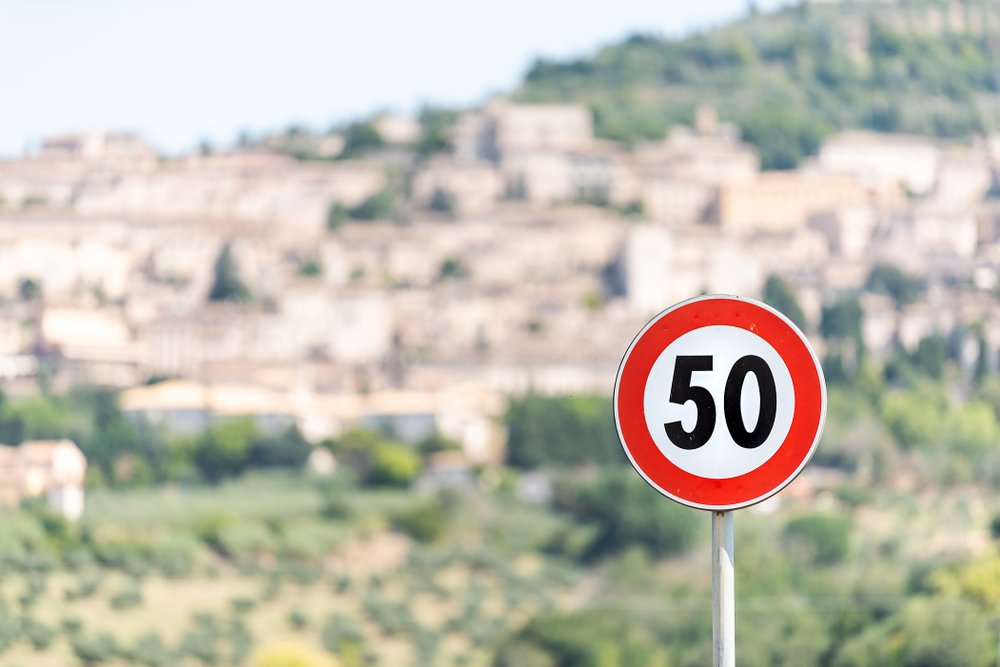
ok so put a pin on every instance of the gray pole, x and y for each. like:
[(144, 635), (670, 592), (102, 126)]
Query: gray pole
[(723, 591)]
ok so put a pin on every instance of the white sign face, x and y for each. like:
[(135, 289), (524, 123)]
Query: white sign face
[(720, 456), (719, 402)]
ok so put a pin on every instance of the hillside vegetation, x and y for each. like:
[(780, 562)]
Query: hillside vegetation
[(790, 78)]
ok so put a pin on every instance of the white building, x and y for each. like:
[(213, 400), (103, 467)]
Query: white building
[(908, 160), (52, 468)]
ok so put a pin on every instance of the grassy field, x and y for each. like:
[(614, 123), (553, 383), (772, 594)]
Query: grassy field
[(231, 574)]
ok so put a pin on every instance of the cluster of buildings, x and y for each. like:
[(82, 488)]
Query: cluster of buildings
[(525, 258)]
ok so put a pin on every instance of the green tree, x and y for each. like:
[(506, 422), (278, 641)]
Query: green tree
[(150, 651), (435, 130), (223, 450), (337, 215), (452, 268), (841, 319), (925, 633), (917, 419), (29, 289), (95, 650), (393, 465), (779, 294), (379, 206), (311, 267), (840, 324), (425, 521), (544, 430), (442, 201), (930, 356), (983, 367), (288, 449), (227, 284), (783, 135), (590, 638), (627, 512), (822, 539), (892, 281), (376, 460), (360, 138)]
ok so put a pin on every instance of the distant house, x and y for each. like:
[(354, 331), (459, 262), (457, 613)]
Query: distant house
[(52, 468)]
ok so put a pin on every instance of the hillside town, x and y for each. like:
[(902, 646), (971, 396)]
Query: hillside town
[(415, 292)]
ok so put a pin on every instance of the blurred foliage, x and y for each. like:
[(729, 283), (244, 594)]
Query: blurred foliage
[(436, 125), (595, 638), (560, 430), (227, 285), (627, 512), (895, 283), (942, 633), (779, 294), (819, 538), (360, 138), (788, 78), (424, 521), (377, 460)]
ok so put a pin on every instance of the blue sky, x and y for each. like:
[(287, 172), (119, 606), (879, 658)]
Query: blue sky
[(179, 71)]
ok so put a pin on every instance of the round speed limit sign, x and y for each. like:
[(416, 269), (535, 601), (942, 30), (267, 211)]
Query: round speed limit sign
[(719, 402)]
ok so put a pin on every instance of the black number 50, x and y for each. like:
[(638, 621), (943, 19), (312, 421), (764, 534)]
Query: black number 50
[(682, 391)]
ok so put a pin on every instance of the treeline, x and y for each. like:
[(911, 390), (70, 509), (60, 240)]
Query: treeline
[(787, 79), (121, 451)]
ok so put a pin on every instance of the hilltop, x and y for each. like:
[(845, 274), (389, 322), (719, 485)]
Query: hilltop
[(792, 77)]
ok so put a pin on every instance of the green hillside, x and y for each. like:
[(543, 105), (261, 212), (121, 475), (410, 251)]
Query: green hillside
[(789, 78)]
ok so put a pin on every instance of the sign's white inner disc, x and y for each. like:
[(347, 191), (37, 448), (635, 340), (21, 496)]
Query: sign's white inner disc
[(720, 457)]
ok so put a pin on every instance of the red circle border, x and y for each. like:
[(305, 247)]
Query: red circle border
[(793, 453)]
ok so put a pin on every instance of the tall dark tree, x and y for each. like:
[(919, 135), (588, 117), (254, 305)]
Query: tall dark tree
[(840, 324), (778, 293), (360, 138), (983, 366), (228, 286), (895, 283)]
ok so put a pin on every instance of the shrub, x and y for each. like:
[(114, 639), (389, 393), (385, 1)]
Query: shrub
[(582, 639), (39, 634), (95, 650), (379, 206), (339, 633), (626, 512), (822, 539), (376, 460), (298, 620), (393, 465), (72, 625), (242, 605), (128, 597), (150, 651), (424, 522), (442, 201)]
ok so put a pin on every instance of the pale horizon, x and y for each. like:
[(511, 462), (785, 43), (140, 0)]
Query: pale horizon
[(186, 72)]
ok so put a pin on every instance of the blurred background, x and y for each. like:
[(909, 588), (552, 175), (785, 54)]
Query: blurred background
[(310, 316)]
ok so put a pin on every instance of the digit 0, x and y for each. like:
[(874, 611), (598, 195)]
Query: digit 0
[(768, 402)]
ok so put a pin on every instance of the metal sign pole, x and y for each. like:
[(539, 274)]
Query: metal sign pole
[(723, 591)]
